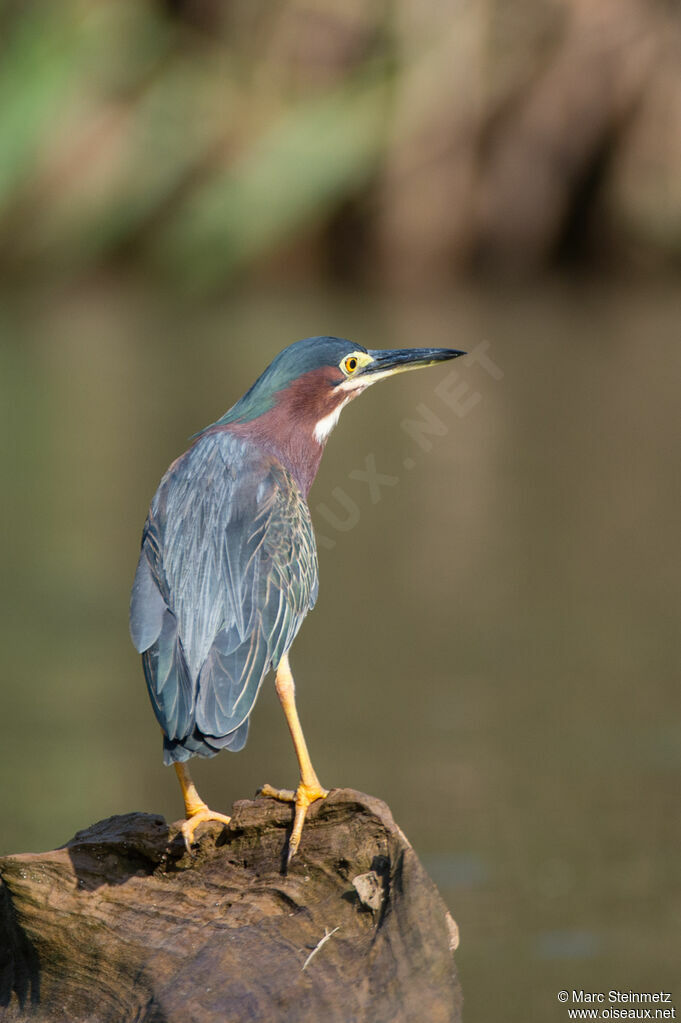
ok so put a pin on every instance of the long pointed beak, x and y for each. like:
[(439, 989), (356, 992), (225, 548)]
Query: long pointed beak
[(399, 360)]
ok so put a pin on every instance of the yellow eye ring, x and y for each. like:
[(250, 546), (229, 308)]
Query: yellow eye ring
[(350, 364)]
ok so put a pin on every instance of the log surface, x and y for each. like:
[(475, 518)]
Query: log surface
[(121, 924)]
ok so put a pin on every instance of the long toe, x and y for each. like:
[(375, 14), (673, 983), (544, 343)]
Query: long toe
[(303, 797), (200, 817), (284, 795)]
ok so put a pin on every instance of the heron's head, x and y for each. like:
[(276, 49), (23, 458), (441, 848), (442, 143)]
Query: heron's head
[(305, 388)]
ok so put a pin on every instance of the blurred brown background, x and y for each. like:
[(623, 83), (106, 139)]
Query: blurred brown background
[(186, 187), (409, 142)]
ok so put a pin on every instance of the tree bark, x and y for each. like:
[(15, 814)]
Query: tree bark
[(121, 924)]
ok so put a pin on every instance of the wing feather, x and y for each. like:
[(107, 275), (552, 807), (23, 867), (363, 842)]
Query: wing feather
[(227, 572)]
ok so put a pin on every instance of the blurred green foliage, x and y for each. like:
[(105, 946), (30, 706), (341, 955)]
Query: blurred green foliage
[(397, 142), (124, 129)]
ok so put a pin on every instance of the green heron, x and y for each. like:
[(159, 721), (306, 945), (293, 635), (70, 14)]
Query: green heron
[(228, 566)]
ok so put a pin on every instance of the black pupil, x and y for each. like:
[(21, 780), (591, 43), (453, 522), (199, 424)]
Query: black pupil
[(352, 363)]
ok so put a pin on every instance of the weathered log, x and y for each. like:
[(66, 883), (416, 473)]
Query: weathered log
[(121, 924)]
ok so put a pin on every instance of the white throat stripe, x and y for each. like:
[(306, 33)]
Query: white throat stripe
[(326, 425)]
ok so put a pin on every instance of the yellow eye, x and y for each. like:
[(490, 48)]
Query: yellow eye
[(350, 364)]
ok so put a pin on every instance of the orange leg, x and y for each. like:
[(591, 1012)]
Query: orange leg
[(196, 810), (309, 788)]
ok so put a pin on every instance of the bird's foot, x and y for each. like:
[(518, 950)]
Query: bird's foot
[(304, 796), (197, 816)]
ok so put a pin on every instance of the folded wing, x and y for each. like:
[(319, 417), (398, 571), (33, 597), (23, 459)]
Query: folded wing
[(227, 572)]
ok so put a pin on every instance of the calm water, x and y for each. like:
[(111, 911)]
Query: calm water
[(495, 649)]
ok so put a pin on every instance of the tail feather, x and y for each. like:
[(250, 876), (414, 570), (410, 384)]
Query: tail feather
[(169, 681), (197, 745)]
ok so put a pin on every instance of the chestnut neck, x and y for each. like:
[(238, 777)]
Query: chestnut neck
[(286, 430)]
